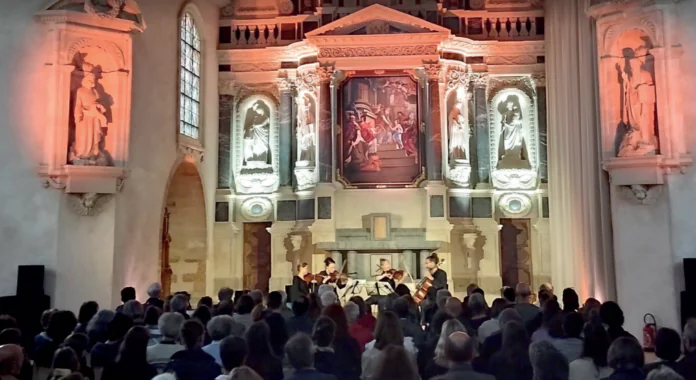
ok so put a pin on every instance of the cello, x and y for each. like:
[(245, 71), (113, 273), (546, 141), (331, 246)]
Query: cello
[(422, 289)]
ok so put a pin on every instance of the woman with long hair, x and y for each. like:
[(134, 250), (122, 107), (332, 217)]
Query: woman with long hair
[(512, 361), (592, 365), (387, 332), (344, 345), (260, 355), (394, 363), (439, 365), (131, 362), (65, 362)]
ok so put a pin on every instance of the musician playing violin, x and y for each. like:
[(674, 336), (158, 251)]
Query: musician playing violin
[(386, 274), (300, 287), (330, 274)]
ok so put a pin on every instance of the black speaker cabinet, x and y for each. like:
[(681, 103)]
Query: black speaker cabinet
[(688, 306), (690, 275), (30, 280)]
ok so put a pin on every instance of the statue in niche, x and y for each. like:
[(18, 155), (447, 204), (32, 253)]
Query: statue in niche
[(638, 99), (257, 126), (90, 122), (512, 150), (459, 131), (305, 131)]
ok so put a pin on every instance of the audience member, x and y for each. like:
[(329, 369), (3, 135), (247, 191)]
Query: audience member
[(590, 310), (127, 294), (225, 295), (687, 366), (152, 316), (179, 304), (154, 294), (612, 316), (571, 301), (314, 310), (664, 373), (512, 361), (571, 344), (131, 362), (61, 324), (478, 311), (345, 346), (276, 303), (261, 357), (523, 303), (667, 349), (220, 328), (593, 363), (206, 301), (324, 288), (328, 299), (356, 330), (627, 359), (547, 362), (79, 343), (388, 332), (135, 311), (278, 331), (394, 363), (460, 350), (300, 351), (299, 322), (242, 314), (492, 325), (437, 363), (256, 296), (11, 359), (97, 328), (493, 343), (324, 356), (409, 328), (192, 362), (244, 373), (169, 326), (87, 311), (365, 318), (7, 322), (552, 322), (65, 362), (202, 314), (233, 353), (224, 308), (104, 354), (437, 310), (508, 294)]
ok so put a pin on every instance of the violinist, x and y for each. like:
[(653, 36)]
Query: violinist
[(330, 274), (386, 274), (299, 286)]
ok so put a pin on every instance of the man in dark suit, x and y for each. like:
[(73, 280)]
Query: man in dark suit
[(459, 351), (300, 353)]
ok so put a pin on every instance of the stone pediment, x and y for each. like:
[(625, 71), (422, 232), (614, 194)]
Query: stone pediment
[(377, 20), (103, 10)]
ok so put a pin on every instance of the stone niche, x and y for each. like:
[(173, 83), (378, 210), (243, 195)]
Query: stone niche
[(459, 132), (88, 78)]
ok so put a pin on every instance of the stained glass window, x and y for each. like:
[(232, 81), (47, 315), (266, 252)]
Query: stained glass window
[(190, 78)]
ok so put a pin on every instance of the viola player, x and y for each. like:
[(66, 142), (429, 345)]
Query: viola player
[(299, 286)]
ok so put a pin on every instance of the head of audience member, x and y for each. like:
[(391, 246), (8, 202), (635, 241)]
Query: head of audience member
[(10, 336), (224, 308), (450, 327), (571, 301), (233, 353), (596, 343), (352, 312), (87, 311), (547, 287), (134, 310), (477, 305), (470, 289), (166, 307), (401, 308), (225, 294), (388, 331), (515, 339), (338, 315), (552, 318), (152, 315), (452, 307), (590, 309), (547, 362), (544, 296), (45, 318), (259, 313), (300, 306), (257, 296), (187, 296), (11, 359), (497, 307), (402, 290), (324, 332), (689, 336), (274, 301), (244, 373), (61, 325), (127, 294), (441, 297), (664, 373), (99, 324), (78, 342), (626, 354), (202, 314), (300, 351), (508, 294), (279, 332), (522, 293), (165, 376), (192, 333), (362, 306), (328, 299), (66, 358), (179, 304), (154, 290), (611, 314), (205, 301), (459, 348), (573, 325), (258, 338), (245, 305), (667, 344), (169, 325), (220, 327), (386, 368), (509, 315), (134, 346), (324, 288)]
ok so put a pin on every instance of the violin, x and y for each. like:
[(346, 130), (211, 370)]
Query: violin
[(397, 275), (310, 278)]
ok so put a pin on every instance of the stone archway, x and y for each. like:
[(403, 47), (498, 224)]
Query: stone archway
[(184, 250)]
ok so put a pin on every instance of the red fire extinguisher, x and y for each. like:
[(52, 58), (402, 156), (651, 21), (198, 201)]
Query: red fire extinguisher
[(649, 332)]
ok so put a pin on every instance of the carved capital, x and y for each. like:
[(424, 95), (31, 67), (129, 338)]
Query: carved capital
[(194, 152), (433, 71), (524, 83), (640, 194), (539, 79), (325, 73), (285, 84), (307, 81), (458, 76), (480, 79)]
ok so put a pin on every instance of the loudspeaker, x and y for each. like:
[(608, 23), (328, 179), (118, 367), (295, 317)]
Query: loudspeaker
[(690, 275), (30, 280), (688, 306)]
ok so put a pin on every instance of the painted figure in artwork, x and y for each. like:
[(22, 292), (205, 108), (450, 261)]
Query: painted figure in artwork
[(512, 152), (90, 120), (305, 131), (639, 100), (459, 131), (410, 134), (256, 135)]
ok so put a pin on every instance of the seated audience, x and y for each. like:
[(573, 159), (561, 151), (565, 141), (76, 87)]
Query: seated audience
[(394, 363), (224, 308), (687, 365), (345, 346), (131, 363), (127, 294), (279, 333), (508, 294), (97, 328), (523, 303), (299, 322), (324, 356), (205, 301), (180, 304), (256, 296), (242, 314), (460, 350), (61, 324), (552, 322), (492, 325), (300, 351), (11, 359), (328, 299), (437, 364), (87, 311), (276, 304), (135, 311), (627, 359), (79, 343), (365, 317), (244, 373), (169, 326), (667, 349), (493, 343), (478, 311), (314, 307), (590, 309), (203, 315), (225, 294), (388, 332), (592, 365), (512, 361), (357, 331), (547, 362), (7, 322), (571, 301), (261, 357), (220, 328), (233, 353), (612, 316), (154, 292), (104, 354), (437, 310), (65, 362), (152, 316), (571, 344), (664, 373), (409, 328), (192, 362)]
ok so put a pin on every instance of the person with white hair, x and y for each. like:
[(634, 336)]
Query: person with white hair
[(219, 328), (159, 354), (257, 296), (328, 298), (664, 373), (356, 330), (300, 353), (324, 288), (547, 362), (154, 292), (438, 364), (687, 366), (179, 304)]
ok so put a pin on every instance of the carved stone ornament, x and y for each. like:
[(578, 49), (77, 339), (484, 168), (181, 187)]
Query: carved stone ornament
[(88, 204), (103, 9), (433, 71), (514, 179), (480, 79), (515, 205), (499, 83), (109, 10), (306, 178), (460, 175), (457, 76), (539, 79), (307, 81), (193, 152), (640, 194), (325, 73), (377, 51), (257, 209), (284, 84)]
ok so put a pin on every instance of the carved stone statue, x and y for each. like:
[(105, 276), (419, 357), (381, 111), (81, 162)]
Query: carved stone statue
[(257, 125), (305, 132), (512, 152), (639, 100), (459, 130), (90, 120)]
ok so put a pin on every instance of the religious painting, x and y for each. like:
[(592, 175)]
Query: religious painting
[(257, 126), (380, 142)]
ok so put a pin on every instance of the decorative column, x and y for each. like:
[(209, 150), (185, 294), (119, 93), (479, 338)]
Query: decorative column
[(422, 255), (325, 132), (408, 259), (481, 130), (352, 263), (285, 131), (338, 258), (433, 125), (281, 268)]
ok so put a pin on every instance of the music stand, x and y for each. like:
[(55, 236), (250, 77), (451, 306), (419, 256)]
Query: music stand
[(381, 288), (353, 288)]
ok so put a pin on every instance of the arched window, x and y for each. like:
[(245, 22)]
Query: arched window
[(190, 78)]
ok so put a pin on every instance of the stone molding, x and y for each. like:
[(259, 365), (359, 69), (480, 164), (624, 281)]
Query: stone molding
[(640, 194)]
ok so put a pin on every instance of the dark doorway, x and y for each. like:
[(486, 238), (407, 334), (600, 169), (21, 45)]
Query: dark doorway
[(257, 256), (515, 252)]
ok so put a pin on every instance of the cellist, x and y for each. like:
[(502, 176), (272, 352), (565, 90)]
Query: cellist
[(437, 275)]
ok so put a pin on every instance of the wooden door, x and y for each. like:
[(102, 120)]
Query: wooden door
[(515, 252), (165, 268), (257, 256)]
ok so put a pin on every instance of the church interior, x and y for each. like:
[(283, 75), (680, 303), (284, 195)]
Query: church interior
[(216, 143)]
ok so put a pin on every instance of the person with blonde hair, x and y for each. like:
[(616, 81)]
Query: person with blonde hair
[(386, 369), (244, 373), (388, 332), (439, 365)]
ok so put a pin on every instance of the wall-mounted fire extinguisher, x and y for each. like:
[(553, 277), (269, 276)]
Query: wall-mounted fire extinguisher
[(649, 332)]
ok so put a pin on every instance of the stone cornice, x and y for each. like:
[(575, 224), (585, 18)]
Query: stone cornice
[(470, 47), (601, 8)]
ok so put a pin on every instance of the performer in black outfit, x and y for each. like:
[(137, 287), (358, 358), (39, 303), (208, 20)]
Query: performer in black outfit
[(383, 275), (330, 269), (437, 275), (299, 286)]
